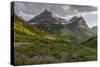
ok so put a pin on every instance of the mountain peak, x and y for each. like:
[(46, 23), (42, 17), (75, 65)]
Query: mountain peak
[(46, 12), (80, 18), (45, 17), (76, 18), (79, 22)]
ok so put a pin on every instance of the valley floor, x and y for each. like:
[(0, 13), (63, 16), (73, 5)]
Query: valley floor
[(54, 52)]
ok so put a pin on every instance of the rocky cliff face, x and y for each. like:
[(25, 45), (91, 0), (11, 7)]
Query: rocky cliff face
[(79, 29), (78, 22), (45, 18)]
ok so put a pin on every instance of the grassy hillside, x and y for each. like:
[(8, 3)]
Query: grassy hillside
[(24, 32), (34, 46), (92, 42)]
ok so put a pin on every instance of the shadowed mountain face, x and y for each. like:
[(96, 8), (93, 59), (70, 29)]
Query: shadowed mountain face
[(78, 22), (79, 29), (76, 29), (94, 30), (45, 18)]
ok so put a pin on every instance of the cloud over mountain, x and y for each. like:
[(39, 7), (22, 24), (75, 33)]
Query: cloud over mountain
[(62, 10), (28, 10)]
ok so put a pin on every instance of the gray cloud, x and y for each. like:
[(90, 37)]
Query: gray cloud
[(62, 10)]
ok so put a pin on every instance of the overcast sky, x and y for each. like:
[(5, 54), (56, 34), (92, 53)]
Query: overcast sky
[(29, 9)]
